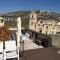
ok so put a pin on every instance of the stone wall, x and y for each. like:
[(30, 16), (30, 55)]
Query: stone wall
[(56, 41)]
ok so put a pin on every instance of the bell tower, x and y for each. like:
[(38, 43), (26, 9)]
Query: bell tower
[(33, 16), (33, 20)]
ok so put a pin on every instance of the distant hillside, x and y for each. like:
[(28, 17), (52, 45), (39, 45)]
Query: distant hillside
[(43, 15), (48, 15), (11, 18)]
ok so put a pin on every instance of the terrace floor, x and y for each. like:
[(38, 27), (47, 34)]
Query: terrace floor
[(41, 54)]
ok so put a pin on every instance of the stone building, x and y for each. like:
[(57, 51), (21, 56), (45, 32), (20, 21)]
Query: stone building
[(43, 26), (1, 22)]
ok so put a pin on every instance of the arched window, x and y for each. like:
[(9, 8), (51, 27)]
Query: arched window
[(46, 27), (1, 21), (35, 26), (40, 21), (32, 16), (40, 31), (53, 27), (43, 25), (38, 24)]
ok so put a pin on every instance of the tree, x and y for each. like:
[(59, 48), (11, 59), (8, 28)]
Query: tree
[(5, 34)]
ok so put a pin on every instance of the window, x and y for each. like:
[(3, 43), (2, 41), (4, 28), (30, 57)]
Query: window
[(32, 16), (39, 24), (40, 31), (40, 21), (53, 27), (1, 21), (35, 25), (46, 27), (43, 25)]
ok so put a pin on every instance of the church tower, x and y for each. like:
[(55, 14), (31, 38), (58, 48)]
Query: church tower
[(33, 20)]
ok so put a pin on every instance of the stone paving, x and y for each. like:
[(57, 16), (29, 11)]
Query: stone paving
[(31, 45), (40, 54)]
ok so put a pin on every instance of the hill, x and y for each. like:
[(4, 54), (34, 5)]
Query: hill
[(10, 18)]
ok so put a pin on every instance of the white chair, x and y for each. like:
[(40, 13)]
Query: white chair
[(1, 50), (11, 49), (25, 38)]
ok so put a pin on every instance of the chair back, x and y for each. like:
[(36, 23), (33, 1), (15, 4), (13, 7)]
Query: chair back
[(1, 46), (10, 45)]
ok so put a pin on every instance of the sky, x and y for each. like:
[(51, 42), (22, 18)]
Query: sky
[(17, 5)]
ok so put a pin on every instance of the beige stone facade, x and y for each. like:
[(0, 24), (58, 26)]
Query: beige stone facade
[(1, 22), (43, 26)]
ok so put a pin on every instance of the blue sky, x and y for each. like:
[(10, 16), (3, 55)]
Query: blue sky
[(16, 5)]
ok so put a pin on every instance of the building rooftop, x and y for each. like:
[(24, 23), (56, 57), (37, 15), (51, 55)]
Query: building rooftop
[(1, 18)]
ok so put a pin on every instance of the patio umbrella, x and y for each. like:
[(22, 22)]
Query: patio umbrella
[(18, 31)]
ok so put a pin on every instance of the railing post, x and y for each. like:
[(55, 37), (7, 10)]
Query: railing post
[(18, 52), (4, 53)]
